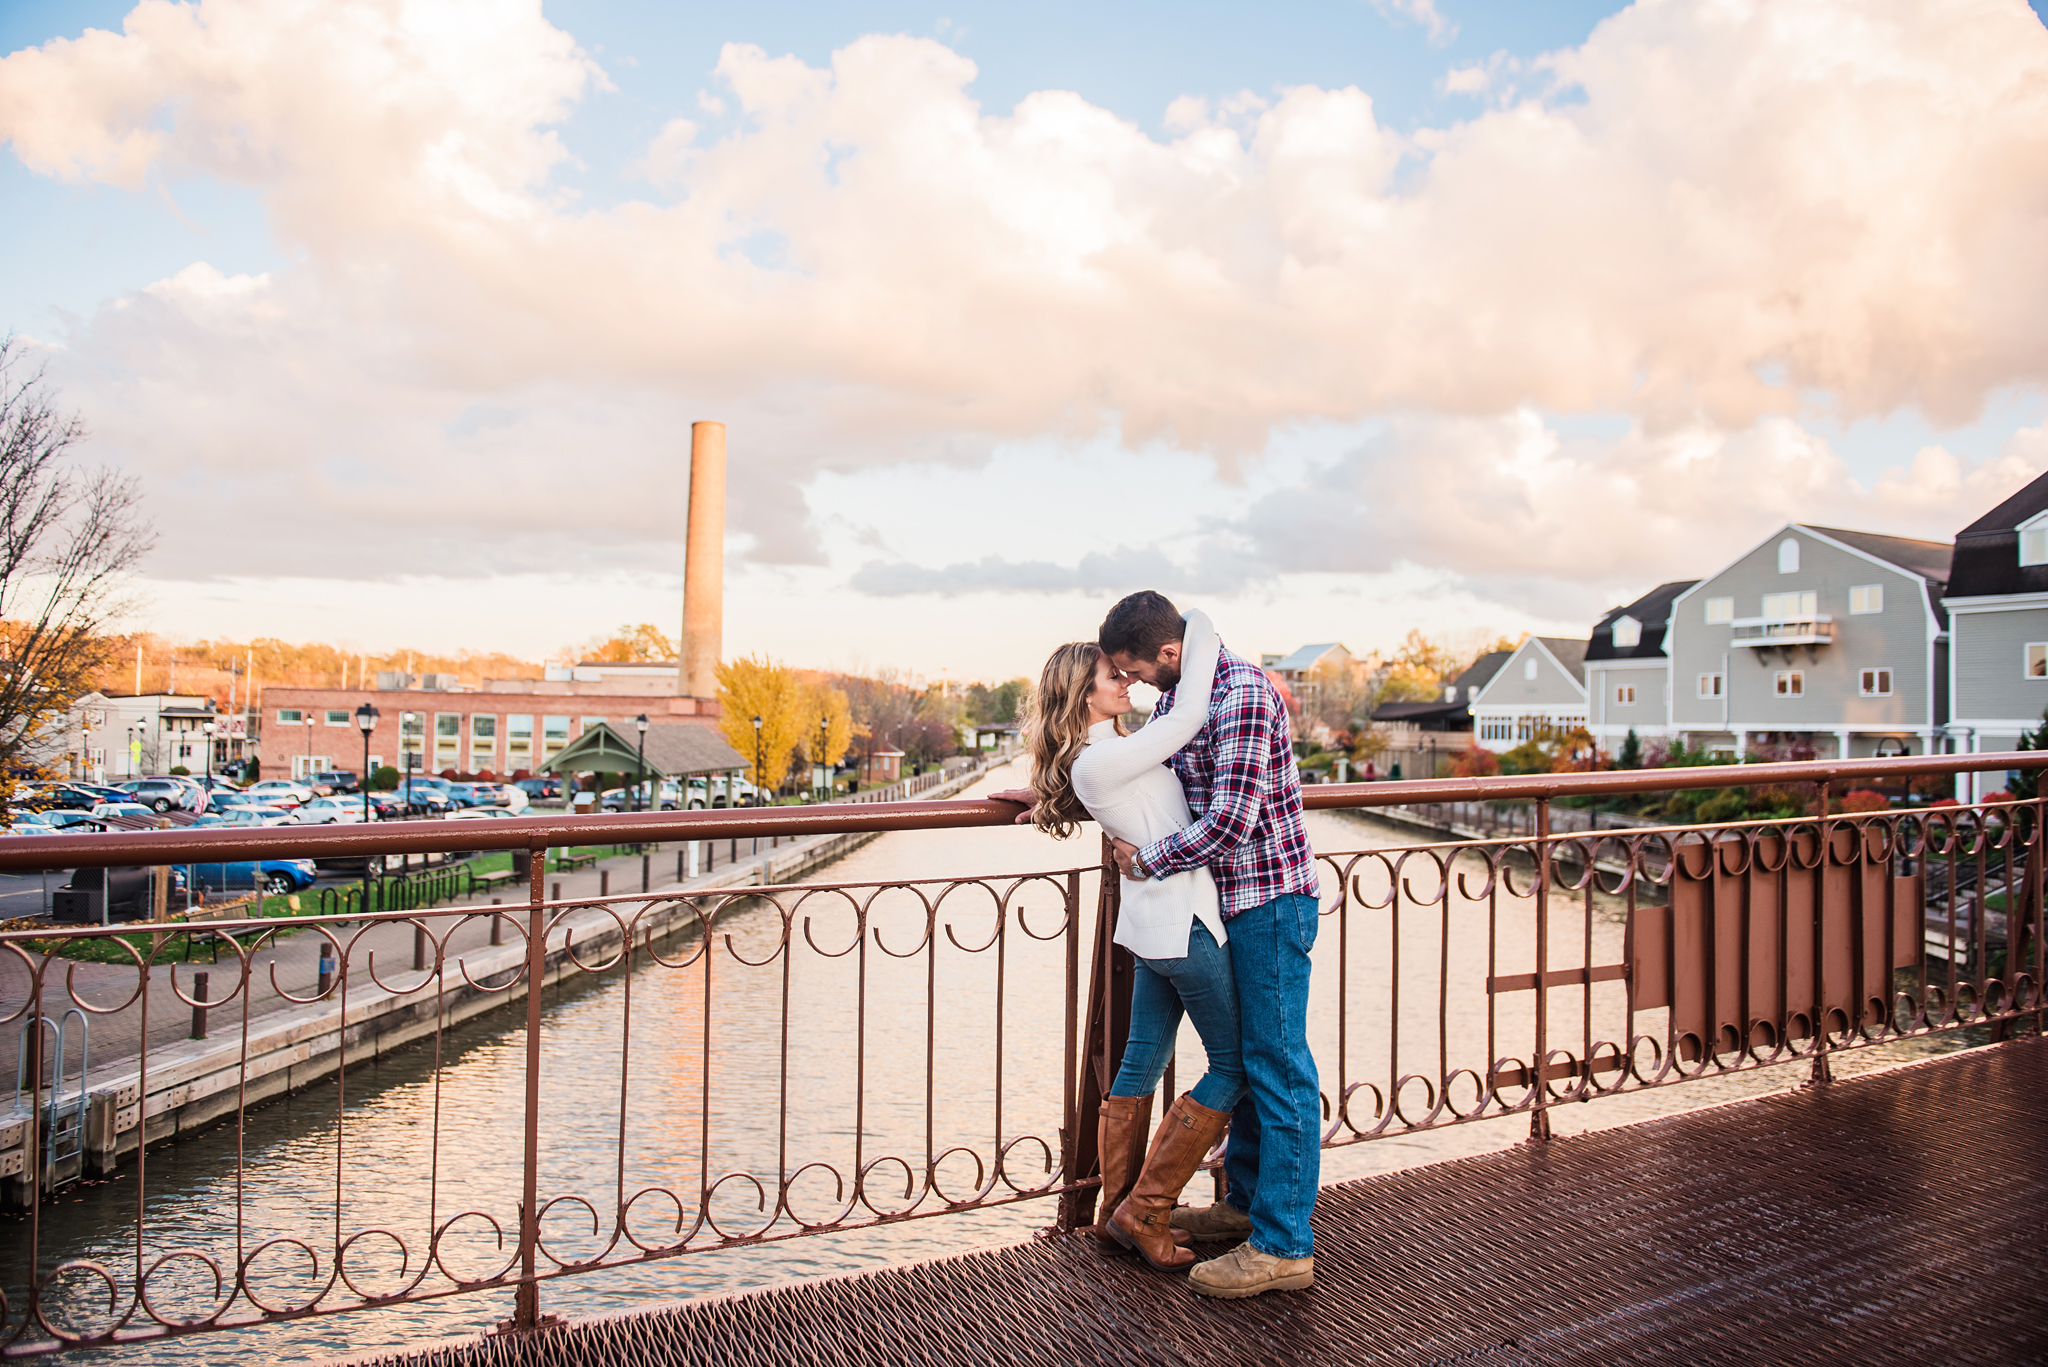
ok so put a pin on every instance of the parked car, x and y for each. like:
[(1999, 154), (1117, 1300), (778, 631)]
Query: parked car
[(333, 809), (29, 823), (280, 791), (335, 781), (478, 814), (246, 818), (427, 801), (65, 819), (66, 797), (274, 876), (512, 797), (539, 787), (161, 794), (106, 809), (473, 794)]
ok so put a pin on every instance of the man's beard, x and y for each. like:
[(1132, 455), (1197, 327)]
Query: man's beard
[(1169, 677)]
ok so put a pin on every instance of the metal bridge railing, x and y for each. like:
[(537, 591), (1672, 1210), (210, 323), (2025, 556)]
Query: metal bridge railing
[(753, 1064)]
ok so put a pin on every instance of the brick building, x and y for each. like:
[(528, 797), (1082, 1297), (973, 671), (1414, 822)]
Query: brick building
[(510, 727)]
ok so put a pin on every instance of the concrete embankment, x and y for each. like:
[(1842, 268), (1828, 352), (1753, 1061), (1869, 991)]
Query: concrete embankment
[(183, 1087)]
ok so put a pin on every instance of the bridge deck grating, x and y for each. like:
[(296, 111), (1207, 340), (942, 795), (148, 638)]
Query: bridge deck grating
[(1901, 1216)]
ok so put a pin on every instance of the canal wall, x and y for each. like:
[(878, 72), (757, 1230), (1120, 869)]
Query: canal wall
[(192, 1085)]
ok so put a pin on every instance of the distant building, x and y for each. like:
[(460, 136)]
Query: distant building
[(108, 739), (1419, 734), (1997, 602), (1816, 637), (1298, 671), (880, 767), (1540, 687), (1628, 673), (504, 728)]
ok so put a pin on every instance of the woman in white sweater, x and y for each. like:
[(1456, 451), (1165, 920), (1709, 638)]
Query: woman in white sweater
[(1085, 766)]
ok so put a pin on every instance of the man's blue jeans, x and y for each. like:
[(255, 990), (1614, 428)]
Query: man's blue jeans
[(1274, 1161), (1161, 989)]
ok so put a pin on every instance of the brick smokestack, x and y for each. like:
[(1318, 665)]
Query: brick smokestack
[(704, 564)]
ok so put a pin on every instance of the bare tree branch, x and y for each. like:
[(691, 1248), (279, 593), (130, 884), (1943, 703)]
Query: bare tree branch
[(69, 540)]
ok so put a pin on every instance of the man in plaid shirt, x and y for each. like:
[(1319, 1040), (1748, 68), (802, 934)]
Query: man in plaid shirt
[(1245, 793)]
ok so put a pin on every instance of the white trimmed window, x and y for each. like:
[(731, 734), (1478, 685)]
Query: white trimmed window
[(1529, 669), (338, 718), (1627, 632), (1791, 683), (1625, 694), (1866, 598), (1710, 685), (1720, 611), (290, 716), (1791, 607), (2034, 546), (2037, 660), (1788, 557), (1875, 683)]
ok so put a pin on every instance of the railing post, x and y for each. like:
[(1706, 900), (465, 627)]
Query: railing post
[(1109, 1026), (1823, 1073), (526, 1306), (1539, 1117)]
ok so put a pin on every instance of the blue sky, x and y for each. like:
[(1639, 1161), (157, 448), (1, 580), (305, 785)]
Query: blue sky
[(263, 342)]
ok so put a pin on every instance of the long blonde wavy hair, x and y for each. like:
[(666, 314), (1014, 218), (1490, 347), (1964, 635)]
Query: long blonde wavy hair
[(1059, 728)]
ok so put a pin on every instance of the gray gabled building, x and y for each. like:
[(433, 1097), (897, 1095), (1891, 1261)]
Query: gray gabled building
[(1997, 602), (1541, 687), (1816, 637), (1628, 672)]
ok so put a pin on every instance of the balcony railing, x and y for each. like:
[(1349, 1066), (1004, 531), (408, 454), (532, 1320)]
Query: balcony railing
[(1768, 632), (770, 1063)]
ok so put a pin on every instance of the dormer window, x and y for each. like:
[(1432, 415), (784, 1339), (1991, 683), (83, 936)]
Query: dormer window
[(1788, 556), (2034, 545), (1627, 632), (1450, 692)]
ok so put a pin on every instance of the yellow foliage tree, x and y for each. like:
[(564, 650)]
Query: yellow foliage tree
[(630, 645), (831, 705), (789, 709)]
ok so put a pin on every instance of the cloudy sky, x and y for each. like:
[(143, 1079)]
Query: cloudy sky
[(1338, 318)]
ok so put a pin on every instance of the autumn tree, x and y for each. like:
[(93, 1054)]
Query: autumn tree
[(642, 644), (790, 708), (69, 537)]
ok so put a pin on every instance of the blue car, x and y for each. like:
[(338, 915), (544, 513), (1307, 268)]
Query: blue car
[(277, 876)]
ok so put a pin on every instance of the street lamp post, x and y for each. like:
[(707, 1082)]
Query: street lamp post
[(640, 776), (405, 721), (760, 771), (824, 777), (366, 722), (208, 728), (309, 743)]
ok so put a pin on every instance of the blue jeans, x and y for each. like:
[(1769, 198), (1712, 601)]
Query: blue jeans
[(1201, 986), (1274, 1160)]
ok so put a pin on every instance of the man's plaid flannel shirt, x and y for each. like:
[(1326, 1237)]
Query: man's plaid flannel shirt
[(1245, 793)]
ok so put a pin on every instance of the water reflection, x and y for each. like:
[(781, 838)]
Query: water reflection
[(856, 1063)]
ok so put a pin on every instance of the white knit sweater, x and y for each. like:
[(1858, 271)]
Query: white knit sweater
[(1124, 783)]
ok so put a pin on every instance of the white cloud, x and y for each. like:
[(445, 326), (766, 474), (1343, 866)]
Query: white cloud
[(866, 269), (1423, 12)]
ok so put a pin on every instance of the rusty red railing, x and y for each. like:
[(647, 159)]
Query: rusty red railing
[(930, 1045)]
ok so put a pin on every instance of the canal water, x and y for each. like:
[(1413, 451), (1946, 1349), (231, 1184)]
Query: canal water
[(796, 1045)]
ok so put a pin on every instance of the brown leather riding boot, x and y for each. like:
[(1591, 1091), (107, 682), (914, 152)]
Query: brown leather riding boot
[(1183, 1140), (1120, 1139)]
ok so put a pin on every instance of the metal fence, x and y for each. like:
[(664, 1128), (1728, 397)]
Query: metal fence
[(717, 1067)]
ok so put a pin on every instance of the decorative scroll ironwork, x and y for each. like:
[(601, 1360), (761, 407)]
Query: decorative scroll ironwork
[(771, 1063)]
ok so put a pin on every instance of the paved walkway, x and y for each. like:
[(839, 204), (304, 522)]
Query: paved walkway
[(1899, 1217), (293, 959)]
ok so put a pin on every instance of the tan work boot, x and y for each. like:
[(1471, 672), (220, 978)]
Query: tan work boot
[(1184, 1139), (1120, 1133), (1244, 1271), (1217, 1222)]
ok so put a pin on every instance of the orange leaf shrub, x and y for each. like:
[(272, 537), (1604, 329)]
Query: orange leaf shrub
[(1863, 800)]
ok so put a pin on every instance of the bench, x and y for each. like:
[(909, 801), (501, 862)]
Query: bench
[(487, 881), (574, 861)]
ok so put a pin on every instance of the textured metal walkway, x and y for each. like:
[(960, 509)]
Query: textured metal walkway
[(1901, 1217)]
